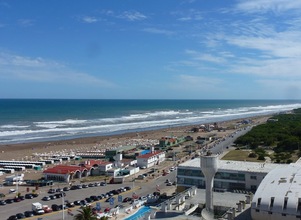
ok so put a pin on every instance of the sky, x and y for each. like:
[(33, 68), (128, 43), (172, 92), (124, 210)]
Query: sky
[(150, 49)]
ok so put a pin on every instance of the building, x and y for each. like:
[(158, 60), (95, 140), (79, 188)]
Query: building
[(279, 195), (150, 159), (231, 175), (166, 142), (110, 154), (65, 173)]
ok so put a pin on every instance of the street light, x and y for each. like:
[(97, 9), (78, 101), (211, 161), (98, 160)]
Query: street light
[(63, 203)]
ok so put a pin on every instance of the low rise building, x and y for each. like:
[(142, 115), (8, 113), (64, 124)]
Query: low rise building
[(150, 159), (231, 175)]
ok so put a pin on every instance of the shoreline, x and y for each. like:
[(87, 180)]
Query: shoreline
[(22, 151)]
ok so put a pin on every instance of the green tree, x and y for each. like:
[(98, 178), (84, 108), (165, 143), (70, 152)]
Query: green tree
[(85, 214)]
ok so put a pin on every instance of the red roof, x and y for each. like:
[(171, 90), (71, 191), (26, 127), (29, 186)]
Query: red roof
[(64, 169), (150, 154)]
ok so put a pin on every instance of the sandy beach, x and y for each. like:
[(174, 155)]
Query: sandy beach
[(24, 151)]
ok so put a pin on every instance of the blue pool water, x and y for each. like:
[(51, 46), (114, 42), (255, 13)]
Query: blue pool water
[(140, 213)]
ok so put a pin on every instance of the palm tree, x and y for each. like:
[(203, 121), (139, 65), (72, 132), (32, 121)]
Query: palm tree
[(85, 214)]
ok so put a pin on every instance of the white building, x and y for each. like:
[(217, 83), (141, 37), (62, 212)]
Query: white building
[(279, 195), (231, 175), (150, 159)]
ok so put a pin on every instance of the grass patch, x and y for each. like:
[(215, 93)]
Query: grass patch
[(239, 155)]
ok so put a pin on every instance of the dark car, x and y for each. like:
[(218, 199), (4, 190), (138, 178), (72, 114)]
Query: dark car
[(35, 195), (52, 197), (63, 207), (127, 188), (66, 188), (20, 215), (103, 184), (46, 198), (58, 195), (9, 201), (51, 191), (127, 199), (70, 204), (17, 199), (77, 202), (28, 196), (55, 207), (2, 202), (12, 217), (91, 185), (58, 190), (94, 198), (28, 213), (73, 188), (85, 186), (83, 202), (21, 197), (89, 200)]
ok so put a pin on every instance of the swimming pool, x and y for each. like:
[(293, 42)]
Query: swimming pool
[(140, 213)]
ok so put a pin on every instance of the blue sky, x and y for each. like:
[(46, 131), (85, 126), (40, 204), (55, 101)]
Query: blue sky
[(158, 49)]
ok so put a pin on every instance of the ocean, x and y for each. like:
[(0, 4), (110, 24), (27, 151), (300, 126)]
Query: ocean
[(31, 120)]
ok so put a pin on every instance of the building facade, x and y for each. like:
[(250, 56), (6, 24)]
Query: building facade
[(231, 175), (150, 159)]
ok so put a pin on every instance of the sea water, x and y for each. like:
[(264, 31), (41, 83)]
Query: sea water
[(29, 120)]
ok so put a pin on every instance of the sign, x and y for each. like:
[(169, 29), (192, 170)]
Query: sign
[(112, 201), (98, 207), (119, 198)]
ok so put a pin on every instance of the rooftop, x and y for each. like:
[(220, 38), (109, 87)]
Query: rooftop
[(245, 166), (282, 182)]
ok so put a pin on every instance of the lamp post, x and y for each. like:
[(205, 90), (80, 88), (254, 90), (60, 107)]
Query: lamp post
[(63, 203)]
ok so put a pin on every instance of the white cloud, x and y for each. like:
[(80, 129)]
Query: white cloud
[(268, 5), (133, 16), (40, 70), (89, 19)]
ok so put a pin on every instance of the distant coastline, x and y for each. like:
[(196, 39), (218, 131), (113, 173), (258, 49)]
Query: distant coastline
[(38, 120)]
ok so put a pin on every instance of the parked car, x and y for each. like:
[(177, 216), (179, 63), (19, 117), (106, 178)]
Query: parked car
[(46, 198), (55, 207), (2, 202), (70, 204), (17, 199), (28, 196), (85, 186), (20, 215), (28, 213), (52, 197), (12, 217), (66, 188), (91, 185), (127, 199), (169, 184), (94, 198), (35, 195), (73, 188), (103, 184), (9, 201), (76, 202), (51, 191)]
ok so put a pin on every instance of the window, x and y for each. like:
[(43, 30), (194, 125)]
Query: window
[(285, 202), (299, 205), (272, 202), (258, 201), (253, 177)]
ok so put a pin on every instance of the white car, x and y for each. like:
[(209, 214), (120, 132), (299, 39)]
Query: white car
[(12, 190)]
